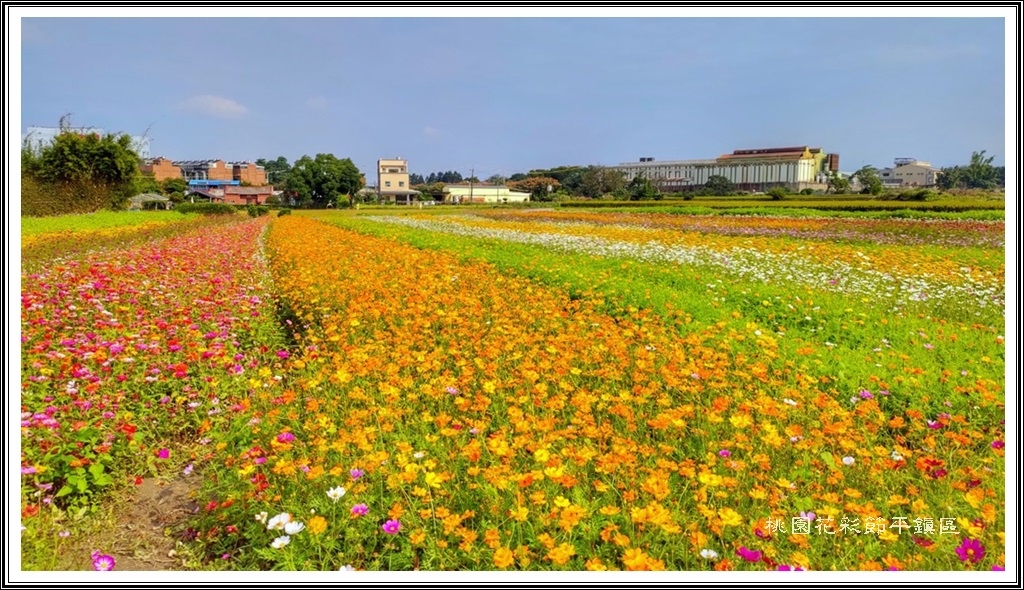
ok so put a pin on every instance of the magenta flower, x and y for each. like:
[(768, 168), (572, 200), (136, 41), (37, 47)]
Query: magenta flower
[(748, 554), (282, 354), (724, 453), (998, 568), (102, 562), (356, 473), (790, 568), (451, 390), (28, 470), (361, 510), (808, 516), (285, 437), (971, 549), (998, 444), (163, 453), (391, 527)]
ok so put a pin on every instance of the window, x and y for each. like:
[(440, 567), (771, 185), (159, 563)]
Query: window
[(401, 183), (387, 183)]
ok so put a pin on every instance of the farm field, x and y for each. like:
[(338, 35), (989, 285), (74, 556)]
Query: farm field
[(536, 390)]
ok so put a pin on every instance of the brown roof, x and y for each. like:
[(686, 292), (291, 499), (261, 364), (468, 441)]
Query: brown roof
[(248, 190)]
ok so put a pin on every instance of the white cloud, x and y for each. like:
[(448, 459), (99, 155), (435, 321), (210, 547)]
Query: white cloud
[(214, 106), (429, 131), (316, 103)]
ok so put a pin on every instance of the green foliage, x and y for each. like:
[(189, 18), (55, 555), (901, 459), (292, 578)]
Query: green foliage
[(273, 200), (206, 208), (718, 186), (642, 189), (277, 170), (979, 174), (837, 184), (324, 180), (283, 212), (174, 188), (870, 182), (778, 193), (79, 173), (257, 210), (807, 191), (145, 183)]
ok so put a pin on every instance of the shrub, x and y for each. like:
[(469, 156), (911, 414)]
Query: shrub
[(284, 211), (777, 193), (257, 210), (206, 208), (807, 191)]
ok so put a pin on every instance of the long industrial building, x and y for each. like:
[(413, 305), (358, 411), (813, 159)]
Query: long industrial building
[(796, 168)]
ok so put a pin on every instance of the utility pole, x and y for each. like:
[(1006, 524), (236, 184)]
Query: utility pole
[(471, 171)]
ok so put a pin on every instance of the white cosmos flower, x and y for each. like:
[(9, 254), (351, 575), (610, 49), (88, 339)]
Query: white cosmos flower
[(262, 517), (346, 568), (281, 541), (789, 402), (419, 455), (293, 528), (278, 522), (848, 461), (336, 493), (709, 554)]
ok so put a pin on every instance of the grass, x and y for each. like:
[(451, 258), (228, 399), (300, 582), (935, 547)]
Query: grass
[(31, 226)]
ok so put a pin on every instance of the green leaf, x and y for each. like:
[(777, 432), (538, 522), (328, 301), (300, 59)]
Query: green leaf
[(827, 458), (96, 470), (64, 491)]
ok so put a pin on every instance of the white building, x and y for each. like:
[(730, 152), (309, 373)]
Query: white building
[(482, 193), (909, 172), (752, 170), (37, 137)]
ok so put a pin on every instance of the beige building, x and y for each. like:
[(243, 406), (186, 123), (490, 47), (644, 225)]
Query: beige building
[(393, 181), (482, 193), (909, 172), (796, 167)]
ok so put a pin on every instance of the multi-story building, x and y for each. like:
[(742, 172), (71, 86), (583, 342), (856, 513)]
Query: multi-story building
[(249, 173), (909, 172), (160, 169), (37, 137), (393, 180), (796, 168)]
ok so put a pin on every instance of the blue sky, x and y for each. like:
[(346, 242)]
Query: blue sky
[(505, 95)]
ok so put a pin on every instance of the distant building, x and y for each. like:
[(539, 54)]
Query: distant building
[(161, 169), (247, 195), (482, 193), (909, 172), (393, 181), (249, 173), (795, 168), (38, 137)]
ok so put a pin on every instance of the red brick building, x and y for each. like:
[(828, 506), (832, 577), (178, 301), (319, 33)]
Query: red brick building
[(247, 195), (249, 173), (161, 169)]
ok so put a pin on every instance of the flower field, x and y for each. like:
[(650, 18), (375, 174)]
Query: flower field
[(540, 391)]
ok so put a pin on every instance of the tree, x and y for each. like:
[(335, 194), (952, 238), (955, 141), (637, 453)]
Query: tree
[(473, 180), (415, 179), (517, 176), (837, 184), (539, 187), (496, 179), (778, 193), (597, 181), (980, 173), (107, 164), (146, 183), (719, 186), (868, 178), (642, 189), (174, 186), (323, 180), (277, 170)]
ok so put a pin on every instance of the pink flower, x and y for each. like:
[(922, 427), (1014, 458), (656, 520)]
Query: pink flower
[(748, 554), (356, 473), (361, 510), (808, 516), (102, 562), (790, 568), (282, 354), (391, 527), (285, 437), (163, 453), (724, 453), (998, 444), (971, 549)]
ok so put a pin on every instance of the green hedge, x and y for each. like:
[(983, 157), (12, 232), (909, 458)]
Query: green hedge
[(206, 208)]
